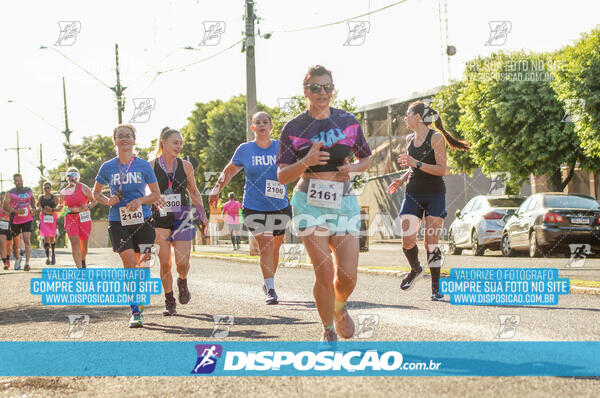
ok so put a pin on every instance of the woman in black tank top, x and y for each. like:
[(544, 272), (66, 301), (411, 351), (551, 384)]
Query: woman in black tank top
[(425, 193), (173, 215)]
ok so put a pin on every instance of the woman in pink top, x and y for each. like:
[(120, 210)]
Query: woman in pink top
[(78, 221), (5, 234), (48, 205), (231, 210)]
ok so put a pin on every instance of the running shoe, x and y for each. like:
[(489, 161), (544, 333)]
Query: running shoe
[(411, 278), (18, 264), (344, 324), (171, 307), (437, 297), (136, 320), (329, 335), (27, 267), (6, 264), (271, 297), (184, 292), (47, 261), (53, 262)]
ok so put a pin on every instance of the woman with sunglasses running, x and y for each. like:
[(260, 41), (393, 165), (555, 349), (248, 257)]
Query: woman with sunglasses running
[(78, 221), (266, 209), (173, 215), (425, 192), (130, 217), (315, 147), (48, 205)]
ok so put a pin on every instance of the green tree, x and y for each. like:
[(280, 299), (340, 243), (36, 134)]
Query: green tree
[(577, 84), (512, 119), (446, 103), (88, 157), (195, 138)]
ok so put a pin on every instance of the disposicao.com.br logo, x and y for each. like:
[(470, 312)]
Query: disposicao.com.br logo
[(315, 360)]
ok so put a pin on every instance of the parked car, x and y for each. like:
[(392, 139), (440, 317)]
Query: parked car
[(478, 226), (548, 222)]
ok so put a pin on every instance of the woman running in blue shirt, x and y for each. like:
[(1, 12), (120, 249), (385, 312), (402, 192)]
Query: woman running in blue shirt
[(266, 209)]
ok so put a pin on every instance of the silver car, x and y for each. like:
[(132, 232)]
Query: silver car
[(478, 226)]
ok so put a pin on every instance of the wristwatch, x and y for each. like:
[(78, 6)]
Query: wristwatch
[(419, 164)]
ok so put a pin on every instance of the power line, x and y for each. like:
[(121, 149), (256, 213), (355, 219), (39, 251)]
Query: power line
[(339, 22)]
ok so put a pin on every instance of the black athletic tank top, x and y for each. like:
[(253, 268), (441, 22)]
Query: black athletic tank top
[(50, 202), (421, 182), (179, 183)]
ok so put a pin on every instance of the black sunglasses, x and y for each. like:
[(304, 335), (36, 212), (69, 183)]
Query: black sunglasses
[(316, 88)]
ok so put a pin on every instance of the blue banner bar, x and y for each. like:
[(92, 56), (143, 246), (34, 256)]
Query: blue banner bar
[(242, 358)]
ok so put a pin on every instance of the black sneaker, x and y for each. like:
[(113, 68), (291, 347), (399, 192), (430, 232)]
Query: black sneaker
[(271, 297), (437, 297), (411, 278), (171, 307), (26, 268), (184, 293)]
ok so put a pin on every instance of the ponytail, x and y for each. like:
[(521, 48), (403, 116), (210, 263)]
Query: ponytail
[(453, 142), (430, 115), (164, 134)]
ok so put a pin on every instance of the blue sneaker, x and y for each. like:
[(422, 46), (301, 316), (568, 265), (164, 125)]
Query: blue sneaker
[(18, 263), (136, 321)]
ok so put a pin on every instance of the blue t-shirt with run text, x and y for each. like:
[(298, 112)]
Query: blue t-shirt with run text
[(259, 166), (139, 175)]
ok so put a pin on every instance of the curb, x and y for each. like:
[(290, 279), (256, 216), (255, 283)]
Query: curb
[(397, 273)]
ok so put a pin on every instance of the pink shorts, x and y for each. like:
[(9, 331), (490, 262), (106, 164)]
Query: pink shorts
[(48, 229), (74, 227)]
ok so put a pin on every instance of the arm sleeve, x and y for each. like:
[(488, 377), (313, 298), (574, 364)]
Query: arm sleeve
[(361, 147), (238, 156), (148, 172), (102, 176), (285, 152)]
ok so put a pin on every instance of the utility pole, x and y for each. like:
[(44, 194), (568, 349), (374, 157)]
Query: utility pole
[(18, 148), (2, 182), (41, 168), (251, 105), (67, 132), (118, 89)]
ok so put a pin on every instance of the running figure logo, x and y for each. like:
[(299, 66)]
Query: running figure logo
[(149, 255), (357, 33), (508, 326), (285, 109), (366, 325), (207, 358), (68, 33), (221, 327), (142, 109), (210, 180), (77, 326), (212, 33), (292, 254), (499, 31), (579, 253)]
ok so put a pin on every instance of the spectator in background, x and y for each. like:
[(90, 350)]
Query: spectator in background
[(231, 210)]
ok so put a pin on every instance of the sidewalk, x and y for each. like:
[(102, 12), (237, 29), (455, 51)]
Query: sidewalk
[(388, 258)]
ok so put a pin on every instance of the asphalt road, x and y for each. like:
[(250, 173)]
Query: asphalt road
[(221, 287)]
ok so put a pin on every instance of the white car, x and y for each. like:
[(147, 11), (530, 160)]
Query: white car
[(478, 226)]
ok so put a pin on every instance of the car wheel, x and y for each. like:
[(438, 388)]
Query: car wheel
[(452, 246), (478, 250), (507, 251), (534, 248)]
